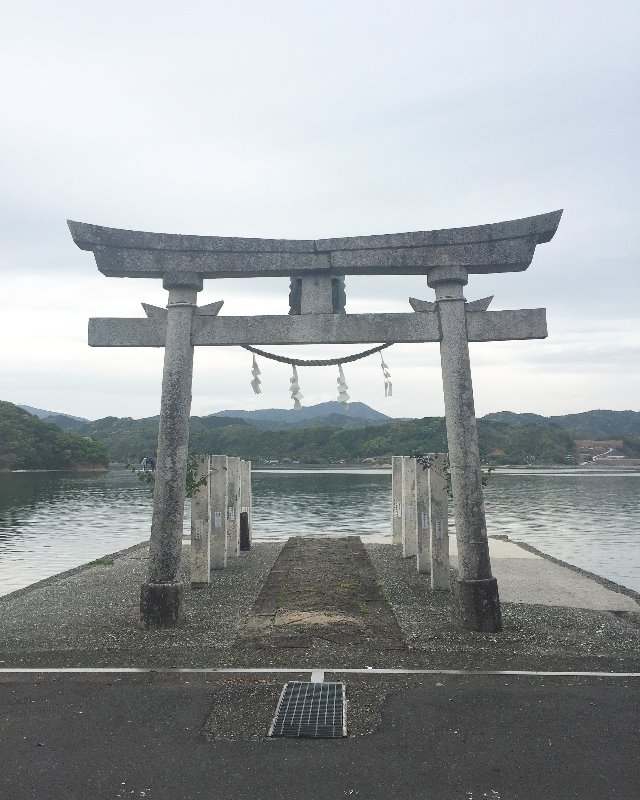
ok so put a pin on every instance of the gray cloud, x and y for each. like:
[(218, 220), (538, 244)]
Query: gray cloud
[(321, 119)]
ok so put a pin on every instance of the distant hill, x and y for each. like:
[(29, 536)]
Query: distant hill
[(598, 424), (27, 442), (42, 413), (289, 416)]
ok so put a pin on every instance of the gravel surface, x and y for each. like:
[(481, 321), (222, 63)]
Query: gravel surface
[(534, 636), (89, 617)]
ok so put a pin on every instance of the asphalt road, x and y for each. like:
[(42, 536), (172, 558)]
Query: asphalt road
[(440, 737)]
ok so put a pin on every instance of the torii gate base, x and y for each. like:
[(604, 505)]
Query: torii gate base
[(317, 316)]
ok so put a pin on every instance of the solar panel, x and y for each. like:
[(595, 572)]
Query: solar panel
[(310, 710)]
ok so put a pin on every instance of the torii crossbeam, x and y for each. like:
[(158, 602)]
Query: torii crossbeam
[(316, 316)]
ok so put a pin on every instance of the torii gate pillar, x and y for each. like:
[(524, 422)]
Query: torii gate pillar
[(478, 589), (160, 596)]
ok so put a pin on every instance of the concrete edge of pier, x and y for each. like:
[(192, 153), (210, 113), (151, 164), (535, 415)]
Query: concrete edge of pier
[(618, 588)]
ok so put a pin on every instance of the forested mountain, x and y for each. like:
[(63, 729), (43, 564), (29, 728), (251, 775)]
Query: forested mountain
[(329, 432), (130, 440), (27, 442), (598, 424)]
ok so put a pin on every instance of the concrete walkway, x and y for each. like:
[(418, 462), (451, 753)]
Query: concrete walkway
[(526, 577)]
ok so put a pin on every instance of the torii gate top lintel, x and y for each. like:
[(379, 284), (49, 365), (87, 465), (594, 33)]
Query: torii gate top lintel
[(498, 247)]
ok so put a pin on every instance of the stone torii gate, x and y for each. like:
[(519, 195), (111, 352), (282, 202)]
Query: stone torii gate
[(316, 316)]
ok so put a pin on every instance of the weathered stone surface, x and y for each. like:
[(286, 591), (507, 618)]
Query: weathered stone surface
[(218, 509), (200, 526), (88, 236), (508, 255), (482, 326), (423, 549), (499, 247), (464, 459), (409, 508), (132, 263), (127, 332), (246, 498), (396, 499), (439, 523), (542, 227), (504, 326), (233, 506), (160, 604), (480, 605), (173, 440), (317, 294)]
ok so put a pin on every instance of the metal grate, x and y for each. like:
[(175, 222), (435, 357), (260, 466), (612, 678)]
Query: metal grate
[(310, 710)]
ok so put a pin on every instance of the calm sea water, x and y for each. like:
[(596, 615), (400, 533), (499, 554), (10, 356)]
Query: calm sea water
[(50, 522)]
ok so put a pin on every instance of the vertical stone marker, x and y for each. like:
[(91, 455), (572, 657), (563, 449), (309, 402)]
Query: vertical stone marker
[(439, 522), (396, 500), (233, 519), (218, 509), (409, 510), (200, 532), (423, 561), (245, 505), (317, 300)]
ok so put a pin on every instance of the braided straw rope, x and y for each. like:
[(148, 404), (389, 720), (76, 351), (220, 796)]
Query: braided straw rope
[(321, 362)]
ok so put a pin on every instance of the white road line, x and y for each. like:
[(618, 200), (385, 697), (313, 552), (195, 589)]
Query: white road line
[(287, 670)]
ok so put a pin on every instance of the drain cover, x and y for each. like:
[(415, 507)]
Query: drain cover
[(310, 710)]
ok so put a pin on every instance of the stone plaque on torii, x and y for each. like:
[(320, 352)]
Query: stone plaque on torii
[(316, 316)]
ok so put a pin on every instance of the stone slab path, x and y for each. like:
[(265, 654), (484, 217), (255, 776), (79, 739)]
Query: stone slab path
[(322, 589)]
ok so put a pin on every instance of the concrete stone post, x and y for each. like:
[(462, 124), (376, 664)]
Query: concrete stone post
[(245, 504), (233, 518), (160, 596), (218, 510), (423, 560), (396, 500), (200, 533), (439, 522), (478, 589), (409, 509)]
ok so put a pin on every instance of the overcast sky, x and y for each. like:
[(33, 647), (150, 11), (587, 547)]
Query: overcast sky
[(317, 119)]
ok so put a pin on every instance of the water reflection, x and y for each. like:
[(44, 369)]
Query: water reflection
[(326, 503), (50, 522)]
